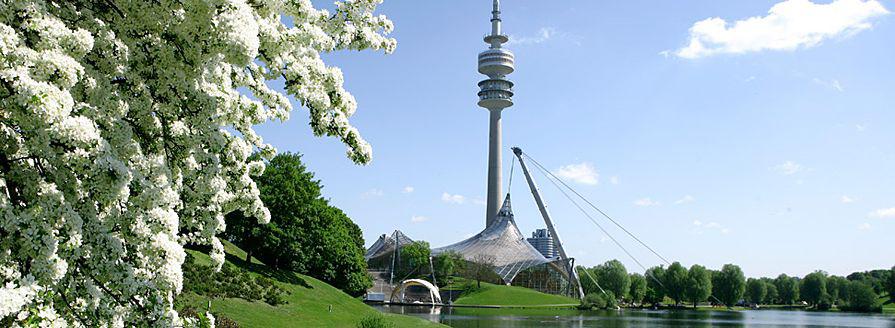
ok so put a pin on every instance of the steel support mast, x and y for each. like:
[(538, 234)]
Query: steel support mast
[(544, 213)]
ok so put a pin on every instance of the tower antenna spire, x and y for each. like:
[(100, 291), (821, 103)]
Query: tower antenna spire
[(495, 19), (496, 93)]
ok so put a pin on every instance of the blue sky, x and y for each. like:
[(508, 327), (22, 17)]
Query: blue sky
[(772, 147)]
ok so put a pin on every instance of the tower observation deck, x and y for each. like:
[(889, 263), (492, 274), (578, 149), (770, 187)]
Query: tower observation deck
[(496, 93)]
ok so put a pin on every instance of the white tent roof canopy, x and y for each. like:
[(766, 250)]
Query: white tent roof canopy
[(501, 242)]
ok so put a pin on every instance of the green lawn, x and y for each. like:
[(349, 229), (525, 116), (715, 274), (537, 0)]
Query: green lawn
[(491, 294), (889, 308), (308, 304)]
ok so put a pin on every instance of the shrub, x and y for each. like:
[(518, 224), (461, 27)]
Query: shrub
[(824, 303), (469, 288), (599, 301), (220, 321), (231, 281), (376, 320)]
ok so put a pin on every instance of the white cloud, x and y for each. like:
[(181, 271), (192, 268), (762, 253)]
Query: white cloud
[(832, 84), (684, 200), (418, 219), (372, 193), (861, 127), (452, 199), (613, 180), (864, 226), (544, 34), (408, 189), (583, 173), (644, 202), (700, 227), (479, 201), (884, 213), (846, 199), (789, 168), (789, 25)]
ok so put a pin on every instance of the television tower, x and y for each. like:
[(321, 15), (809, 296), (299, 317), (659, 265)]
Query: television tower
[(496, 94)]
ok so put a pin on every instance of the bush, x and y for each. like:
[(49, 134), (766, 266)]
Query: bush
[(376, 320), (599, 301), (231, 281), (220, 321), (469, 288), (824, 303)]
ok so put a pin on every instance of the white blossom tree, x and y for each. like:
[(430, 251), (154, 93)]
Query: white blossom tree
[(125, 132)]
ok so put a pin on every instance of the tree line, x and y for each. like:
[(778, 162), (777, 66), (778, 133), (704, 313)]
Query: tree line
[(676, 285)]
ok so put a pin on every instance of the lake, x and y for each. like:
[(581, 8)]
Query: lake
[(524, 318)]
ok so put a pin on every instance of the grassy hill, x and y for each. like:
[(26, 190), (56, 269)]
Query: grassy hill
[(491, 294), (308, 302)]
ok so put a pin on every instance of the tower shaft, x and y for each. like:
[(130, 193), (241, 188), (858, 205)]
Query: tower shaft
[(496, 94), (495, 179)]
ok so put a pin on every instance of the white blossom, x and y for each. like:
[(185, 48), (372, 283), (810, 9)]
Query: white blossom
[(126, 129)]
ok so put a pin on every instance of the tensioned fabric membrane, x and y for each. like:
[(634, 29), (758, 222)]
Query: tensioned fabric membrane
[(386, 244), (502, 244)]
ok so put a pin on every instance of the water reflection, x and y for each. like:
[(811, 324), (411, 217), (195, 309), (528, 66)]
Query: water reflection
[(541, 318)]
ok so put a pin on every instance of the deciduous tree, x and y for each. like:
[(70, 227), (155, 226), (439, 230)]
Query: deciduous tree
[(676, 282), (613, 276), (655, 289), (446, 265), (837, 288), (756, 291), (638, 288), (730, 283), (699, 284), (306, 234), (814, 287), (787, 288), (890, 285), (481, 267), (414, 258), (773, 294), (125, 132), (861, 297), (588, 280)]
